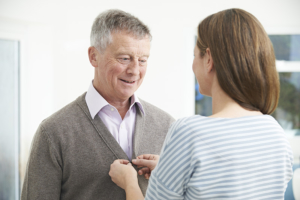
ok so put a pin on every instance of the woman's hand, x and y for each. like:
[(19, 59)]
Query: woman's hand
[(123, 174), (147, 162)]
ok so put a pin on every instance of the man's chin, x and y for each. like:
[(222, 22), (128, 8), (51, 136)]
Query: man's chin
[(126, 95)]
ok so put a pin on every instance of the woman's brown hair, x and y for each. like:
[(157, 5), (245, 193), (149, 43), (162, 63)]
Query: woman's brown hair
[(243, 57)]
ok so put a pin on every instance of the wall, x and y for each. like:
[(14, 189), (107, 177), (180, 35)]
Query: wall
[(54, 39)]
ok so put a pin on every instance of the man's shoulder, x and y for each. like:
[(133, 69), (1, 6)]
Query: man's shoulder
[(154, 111), (67, 114)]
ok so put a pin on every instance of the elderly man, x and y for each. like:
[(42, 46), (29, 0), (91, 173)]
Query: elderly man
[(73, 149)]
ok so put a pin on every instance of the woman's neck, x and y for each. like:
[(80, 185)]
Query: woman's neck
[(225, 107)]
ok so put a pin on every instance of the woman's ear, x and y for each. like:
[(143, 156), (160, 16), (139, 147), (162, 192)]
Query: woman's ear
[(209, 61), (93, 56)]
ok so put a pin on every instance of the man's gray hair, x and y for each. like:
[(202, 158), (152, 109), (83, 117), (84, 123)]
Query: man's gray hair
[(112, 21)]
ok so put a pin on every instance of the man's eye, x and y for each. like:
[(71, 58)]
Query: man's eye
[(143, 61), (124, 60)]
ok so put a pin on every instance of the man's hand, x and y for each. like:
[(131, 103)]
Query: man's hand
[(123, 174), (147, 162)]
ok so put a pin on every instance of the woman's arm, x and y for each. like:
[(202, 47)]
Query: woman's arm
[(133, 192), (124, 175)]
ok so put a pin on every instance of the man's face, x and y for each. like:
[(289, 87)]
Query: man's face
[(121, 67)]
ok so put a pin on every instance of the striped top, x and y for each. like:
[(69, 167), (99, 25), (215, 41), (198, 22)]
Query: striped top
[(223, 158)]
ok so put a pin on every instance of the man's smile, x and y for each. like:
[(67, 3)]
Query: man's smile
[(127, 81)]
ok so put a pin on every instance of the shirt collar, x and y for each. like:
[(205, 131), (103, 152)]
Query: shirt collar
[(96, 102)]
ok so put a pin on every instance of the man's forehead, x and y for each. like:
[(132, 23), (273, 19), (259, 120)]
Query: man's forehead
[(119, 33), (128, 38), (125, 43)]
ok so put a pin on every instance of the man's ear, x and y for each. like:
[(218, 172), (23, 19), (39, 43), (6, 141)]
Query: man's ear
[(93, 56), (209, 61)]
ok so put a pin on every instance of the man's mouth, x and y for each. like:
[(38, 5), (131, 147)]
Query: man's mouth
[(127, 81)]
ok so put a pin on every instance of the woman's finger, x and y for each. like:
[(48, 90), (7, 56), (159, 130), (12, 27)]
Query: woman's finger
[(148, 163), (147, 176), (144, 171), (146, 156), (125, 162)]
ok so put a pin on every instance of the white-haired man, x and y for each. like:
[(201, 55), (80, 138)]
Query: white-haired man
[(73, 149)]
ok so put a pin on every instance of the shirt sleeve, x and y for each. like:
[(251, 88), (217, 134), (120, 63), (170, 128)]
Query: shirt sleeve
[(44, 173), (168, 180)]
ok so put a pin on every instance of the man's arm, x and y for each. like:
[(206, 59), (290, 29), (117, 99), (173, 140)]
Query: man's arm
[(44, 172)]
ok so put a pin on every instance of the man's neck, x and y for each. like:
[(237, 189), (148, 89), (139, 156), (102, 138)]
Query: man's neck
[(122, 105)]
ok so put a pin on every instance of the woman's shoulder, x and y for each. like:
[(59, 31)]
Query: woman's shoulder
[(203, 124), (186, 121), (185, 125), (200, 119)]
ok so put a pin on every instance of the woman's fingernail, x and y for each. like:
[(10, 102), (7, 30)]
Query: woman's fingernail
[(134, 160), (129, 164)]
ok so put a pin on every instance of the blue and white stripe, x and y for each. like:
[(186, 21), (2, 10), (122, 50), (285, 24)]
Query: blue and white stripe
[(223, 158)]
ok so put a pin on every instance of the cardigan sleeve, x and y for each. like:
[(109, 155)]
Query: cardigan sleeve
[(44, 170)]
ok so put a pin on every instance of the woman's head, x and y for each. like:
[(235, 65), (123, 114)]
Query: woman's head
[(243, 58)]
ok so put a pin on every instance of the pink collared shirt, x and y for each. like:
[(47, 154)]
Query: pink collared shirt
[(122, 130)]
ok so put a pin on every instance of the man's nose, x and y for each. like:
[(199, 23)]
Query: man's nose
[(134, 68)]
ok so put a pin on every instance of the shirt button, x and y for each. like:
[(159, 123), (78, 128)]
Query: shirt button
[(112, 109)]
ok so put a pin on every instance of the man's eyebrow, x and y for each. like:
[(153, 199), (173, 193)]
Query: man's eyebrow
[(122, 53), (130, 54)]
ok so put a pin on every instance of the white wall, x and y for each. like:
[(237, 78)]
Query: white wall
[(54, 39)]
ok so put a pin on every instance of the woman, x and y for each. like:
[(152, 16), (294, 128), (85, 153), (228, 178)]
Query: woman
[(239, 152)]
